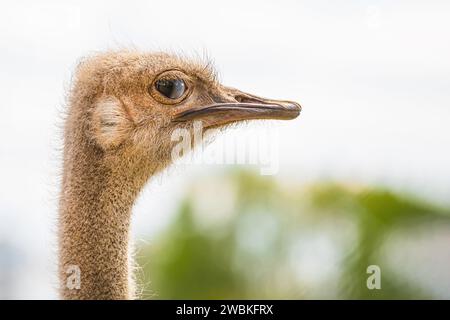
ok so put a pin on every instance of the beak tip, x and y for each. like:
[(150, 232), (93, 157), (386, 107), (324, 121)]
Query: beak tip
[(294, 108)]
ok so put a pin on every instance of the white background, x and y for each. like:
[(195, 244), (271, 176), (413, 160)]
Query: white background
[(373, 78)]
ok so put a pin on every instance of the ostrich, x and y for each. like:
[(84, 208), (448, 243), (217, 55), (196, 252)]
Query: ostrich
[(123, 107)]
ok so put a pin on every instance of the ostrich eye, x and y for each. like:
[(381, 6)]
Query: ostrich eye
[(171, 88)]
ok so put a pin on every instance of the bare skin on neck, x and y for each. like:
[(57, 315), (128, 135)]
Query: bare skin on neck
[(123, 108)]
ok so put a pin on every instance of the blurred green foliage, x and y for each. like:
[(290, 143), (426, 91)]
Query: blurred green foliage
[(241, 235)]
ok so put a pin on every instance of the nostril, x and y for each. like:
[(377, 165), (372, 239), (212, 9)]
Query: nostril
[(239, 98), (247, 99)]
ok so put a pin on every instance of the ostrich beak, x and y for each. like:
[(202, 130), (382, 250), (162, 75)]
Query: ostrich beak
[(232, 105)]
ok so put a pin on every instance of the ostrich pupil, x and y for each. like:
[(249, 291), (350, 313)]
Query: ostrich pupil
[(172, 89)]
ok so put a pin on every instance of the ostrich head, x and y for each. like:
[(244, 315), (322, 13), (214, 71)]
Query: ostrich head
[(123, 110), (129, 104)]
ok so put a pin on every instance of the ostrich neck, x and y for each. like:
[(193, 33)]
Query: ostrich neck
[(94, 222)]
